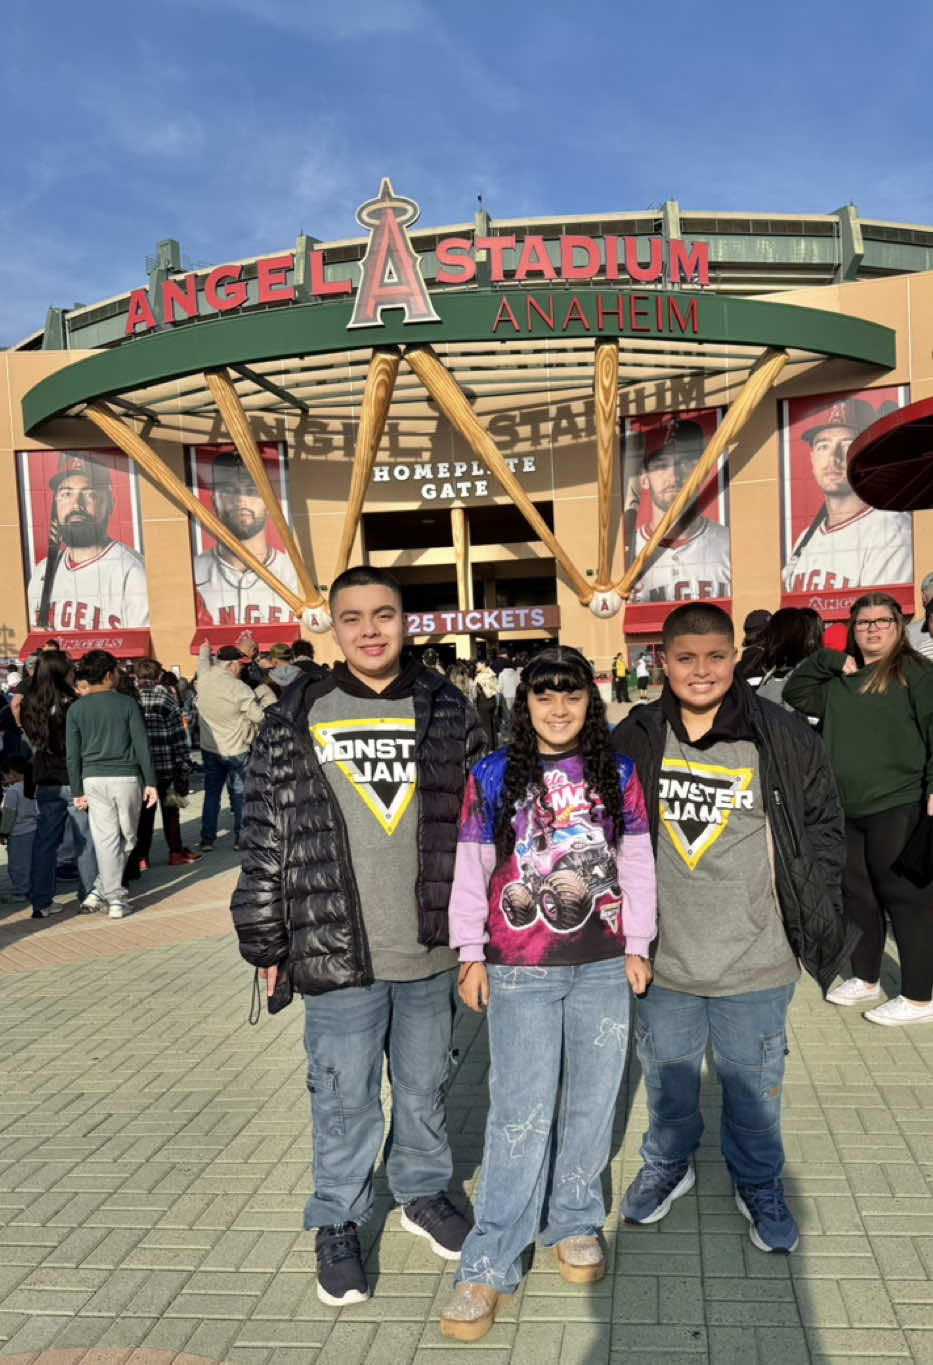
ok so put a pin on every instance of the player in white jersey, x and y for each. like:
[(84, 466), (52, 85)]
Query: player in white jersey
[(227, 592), (226, 597), (848, 544), (694, 562), (96, 583)]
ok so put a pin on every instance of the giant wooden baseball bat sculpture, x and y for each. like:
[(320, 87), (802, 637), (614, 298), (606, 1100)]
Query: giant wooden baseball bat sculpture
[(237, 424), (606, 392), (377, 395), (756, 386), (137, 449), (455, 406)]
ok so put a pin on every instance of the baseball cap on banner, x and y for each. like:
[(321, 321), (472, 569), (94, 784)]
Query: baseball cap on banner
[(230, 654), (847, 412), (228, 470), (81, 462), (674, 436)]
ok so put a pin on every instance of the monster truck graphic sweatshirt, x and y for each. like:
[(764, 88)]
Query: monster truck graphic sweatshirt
[(568, 894)]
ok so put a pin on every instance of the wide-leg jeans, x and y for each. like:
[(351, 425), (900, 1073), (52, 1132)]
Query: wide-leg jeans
[(347, 1034), (552, 1031), (749, 1036)]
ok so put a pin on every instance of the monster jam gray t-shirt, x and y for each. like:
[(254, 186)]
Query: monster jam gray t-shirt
[(720, 930), (366, 746)]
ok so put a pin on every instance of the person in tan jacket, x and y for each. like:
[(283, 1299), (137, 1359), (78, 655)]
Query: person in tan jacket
[(230, 717)]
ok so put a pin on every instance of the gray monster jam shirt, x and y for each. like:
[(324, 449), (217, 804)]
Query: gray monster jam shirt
[(720, 930), (366, 746)]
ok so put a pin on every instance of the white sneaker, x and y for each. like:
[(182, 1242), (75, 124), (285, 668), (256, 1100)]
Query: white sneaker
[(92, 903), (855, 991), (118, 910), (900, 1011)]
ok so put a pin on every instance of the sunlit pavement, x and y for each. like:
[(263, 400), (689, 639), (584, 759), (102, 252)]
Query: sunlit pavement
[(154, 1153)]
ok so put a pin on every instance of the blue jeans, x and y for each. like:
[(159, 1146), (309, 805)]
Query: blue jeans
[(552, 1030), (217, 771), (347, 1034), (55, 807), (749, 1041)]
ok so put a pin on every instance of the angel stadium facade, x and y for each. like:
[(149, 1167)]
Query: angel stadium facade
[(501, 412)]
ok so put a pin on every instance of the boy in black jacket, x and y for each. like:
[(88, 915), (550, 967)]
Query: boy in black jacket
[(749, 840), (349, 837)]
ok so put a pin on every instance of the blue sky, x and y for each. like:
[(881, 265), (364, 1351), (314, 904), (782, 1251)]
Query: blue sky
[(234, 124)]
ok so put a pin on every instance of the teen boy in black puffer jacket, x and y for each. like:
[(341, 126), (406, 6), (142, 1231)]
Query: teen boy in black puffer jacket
[(349, 839)]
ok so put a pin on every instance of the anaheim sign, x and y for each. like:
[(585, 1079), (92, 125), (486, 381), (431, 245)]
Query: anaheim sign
[(390, 273)]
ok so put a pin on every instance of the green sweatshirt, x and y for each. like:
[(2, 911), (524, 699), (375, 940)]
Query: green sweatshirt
[(880, 744), (105, 736)]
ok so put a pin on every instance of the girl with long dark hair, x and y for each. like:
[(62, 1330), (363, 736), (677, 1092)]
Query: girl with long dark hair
[(790, 636), (45, 706), (876, 706), (553, 911)]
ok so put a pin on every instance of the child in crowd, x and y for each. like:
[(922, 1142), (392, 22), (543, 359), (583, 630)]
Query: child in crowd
[(108, 762), (553, 911), (18, 824)]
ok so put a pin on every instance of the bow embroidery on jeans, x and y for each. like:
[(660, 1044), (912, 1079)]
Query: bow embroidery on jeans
[(610, 1029)]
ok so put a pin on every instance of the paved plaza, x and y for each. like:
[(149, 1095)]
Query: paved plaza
[(154, 1155)]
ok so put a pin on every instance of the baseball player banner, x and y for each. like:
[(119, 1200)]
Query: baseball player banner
[(834, 546), (227, 593), (82, 542), (694, 561)]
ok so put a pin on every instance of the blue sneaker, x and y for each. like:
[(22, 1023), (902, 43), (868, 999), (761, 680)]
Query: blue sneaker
[(771, 1223), (654, 1189)]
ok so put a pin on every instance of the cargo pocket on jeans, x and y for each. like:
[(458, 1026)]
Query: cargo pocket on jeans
[(326, 1104), (773, 1052)]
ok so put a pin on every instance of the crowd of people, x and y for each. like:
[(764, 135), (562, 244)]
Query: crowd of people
[(409, 836), (91, 747)]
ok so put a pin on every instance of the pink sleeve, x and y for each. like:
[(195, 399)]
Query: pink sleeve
[(469, 901), (637, 873)]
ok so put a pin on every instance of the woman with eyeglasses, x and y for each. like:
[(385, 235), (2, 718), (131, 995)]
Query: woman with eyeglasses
[(875, 703)]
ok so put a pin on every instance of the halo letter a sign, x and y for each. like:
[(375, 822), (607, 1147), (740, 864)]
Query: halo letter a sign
[(390, 271)]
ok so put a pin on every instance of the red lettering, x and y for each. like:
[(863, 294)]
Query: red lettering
[(682, 591), (639, 312), (140, 313), (505, 309), (66, 614), (226, 616), (813, 581), (659, 312), (534, 257), (252, 615), (271, 276), (547, 317), (224, 289), (319, 285), (572, 270), (575, 313), (684, 266), (184, 293), (612, 258), (830, 582), (80, 613), (654, 269), (455, 257), (705, 589), (496, 246), (601, 311), (115, 624), (95, 622), (674, 312), (275, 615)]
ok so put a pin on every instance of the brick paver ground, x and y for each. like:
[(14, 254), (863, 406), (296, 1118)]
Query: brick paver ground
[(154, 1154)]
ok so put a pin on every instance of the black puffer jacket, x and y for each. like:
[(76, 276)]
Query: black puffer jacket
[(803, 811), (297, 897)]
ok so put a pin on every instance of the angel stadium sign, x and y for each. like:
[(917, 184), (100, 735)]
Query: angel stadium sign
[(390, 276)]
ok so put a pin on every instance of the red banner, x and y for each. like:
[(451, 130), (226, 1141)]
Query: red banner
[(125, 644), (834, 606), (647, 618), (264, 636)]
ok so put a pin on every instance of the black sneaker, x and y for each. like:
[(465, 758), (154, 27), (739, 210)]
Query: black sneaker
[(205, 843), (433, 1216), (341, 1278)]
